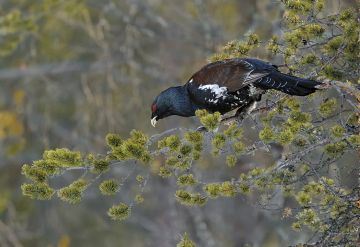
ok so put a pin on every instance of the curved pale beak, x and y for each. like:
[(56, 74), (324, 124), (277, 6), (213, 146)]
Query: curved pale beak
[(153, 121)]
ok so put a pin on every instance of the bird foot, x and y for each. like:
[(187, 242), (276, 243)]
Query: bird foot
[(229, 120), (201, 129), (233, 119)]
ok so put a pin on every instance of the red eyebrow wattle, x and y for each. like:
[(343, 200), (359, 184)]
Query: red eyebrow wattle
[(153, 108)]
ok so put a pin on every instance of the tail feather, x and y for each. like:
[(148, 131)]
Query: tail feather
[(288, 84)]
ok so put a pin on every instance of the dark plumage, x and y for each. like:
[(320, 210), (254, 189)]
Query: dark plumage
[(226, 85)]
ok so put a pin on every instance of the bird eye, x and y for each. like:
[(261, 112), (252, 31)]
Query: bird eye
[(153, 107)]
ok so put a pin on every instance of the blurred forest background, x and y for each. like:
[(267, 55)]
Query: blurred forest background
[(73, 71)]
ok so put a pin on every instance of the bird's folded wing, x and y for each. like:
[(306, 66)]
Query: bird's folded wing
[(215, 84), (233, 74)]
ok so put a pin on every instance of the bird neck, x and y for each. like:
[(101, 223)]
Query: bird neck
[(182, 104)]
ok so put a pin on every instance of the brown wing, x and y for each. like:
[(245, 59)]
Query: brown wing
[(230, 73)]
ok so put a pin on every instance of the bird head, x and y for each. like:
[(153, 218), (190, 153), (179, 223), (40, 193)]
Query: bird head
[(162, 106), (172, 101)]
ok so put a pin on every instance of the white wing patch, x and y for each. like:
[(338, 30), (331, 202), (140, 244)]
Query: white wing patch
[(214, 88)]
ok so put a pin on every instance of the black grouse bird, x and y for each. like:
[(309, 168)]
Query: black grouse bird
[(226, 85)]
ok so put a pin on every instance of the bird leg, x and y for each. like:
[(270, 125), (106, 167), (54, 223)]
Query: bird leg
[(240, 113), (238, 117), (248, 109)]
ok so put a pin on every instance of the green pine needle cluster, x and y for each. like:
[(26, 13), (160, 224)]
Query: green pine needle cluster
[(190, 199), (134, 147), (334, 149), (231, 160), (73, 192), (266, 134), (39, 191), (186, 180), (100, 166), (236, 48), (225, 189), (119, 212), (172, 142), (109, 187), (337, 131), (209, 121), (185, 241), (63, 157)]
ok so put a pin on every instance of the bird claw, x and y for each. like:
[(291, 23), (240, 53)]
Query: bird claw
[(201, 129), (230, 120)]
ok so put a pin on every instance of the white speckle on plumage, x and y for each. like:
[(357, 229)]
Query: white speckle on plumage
[(249, 65), (191, 80), (218, 91), (273, 83), (252, 90), (213, 101)]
